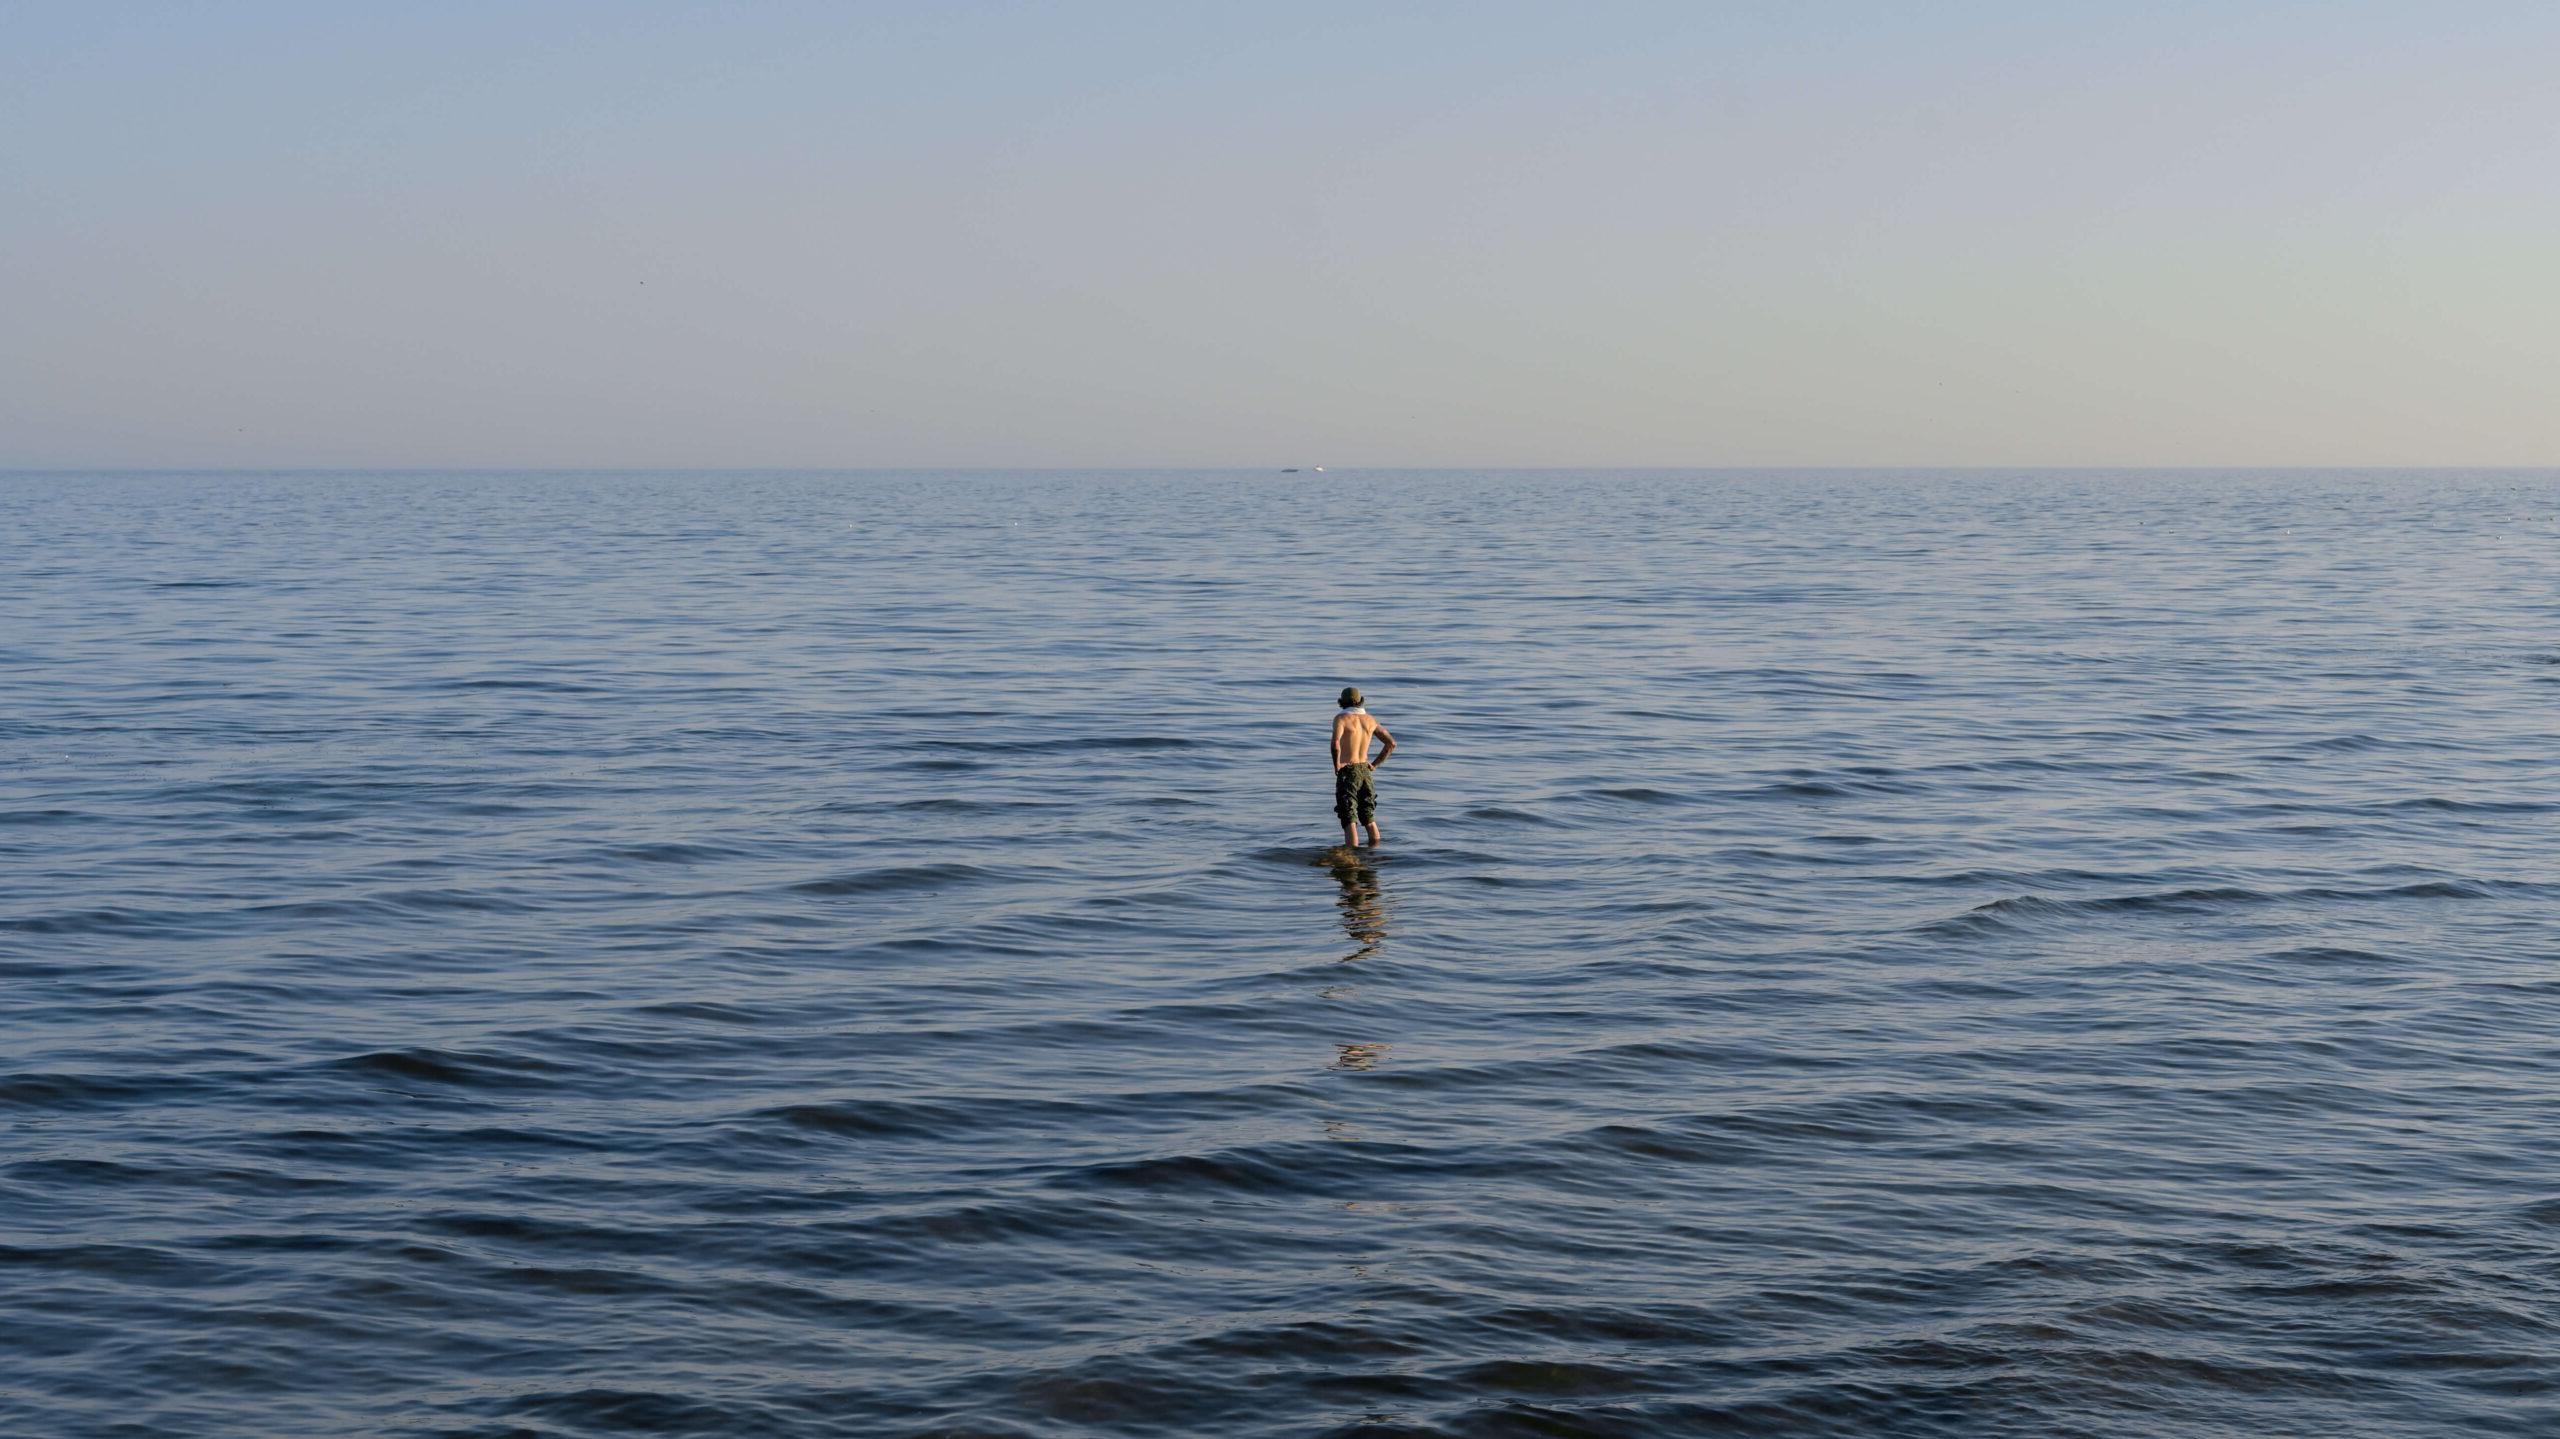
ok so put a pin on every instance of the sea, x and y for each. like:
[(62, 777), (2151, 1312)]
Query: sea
[(1897, 953)]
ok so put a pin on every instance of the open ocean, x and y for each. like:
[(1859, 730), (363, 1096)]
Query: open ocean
[(1899, 954)]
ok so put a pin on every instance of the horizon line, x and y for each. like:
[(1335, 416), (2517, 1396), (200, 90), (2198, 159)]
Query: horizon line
[(1896, 467)]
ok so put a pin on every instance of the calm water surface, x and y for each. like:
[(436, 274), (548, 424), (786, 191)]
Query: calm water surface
[(1916, 954)]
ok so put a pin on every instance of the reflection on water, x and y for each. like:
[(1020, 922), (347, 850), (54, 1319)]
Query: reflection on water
[(1357, 1056), (1364, 918), (1363, 902)]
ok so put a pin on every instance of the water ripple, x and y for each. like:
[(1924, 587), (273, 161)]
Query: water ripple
[(1916, 954)]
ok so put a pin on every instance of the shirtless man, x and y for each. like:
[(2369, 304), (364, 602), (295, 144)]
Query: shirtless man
[(1353, 795)]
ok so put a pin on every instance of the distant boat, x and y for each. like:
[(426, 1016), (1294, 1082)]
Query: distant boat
[(1288, 472)]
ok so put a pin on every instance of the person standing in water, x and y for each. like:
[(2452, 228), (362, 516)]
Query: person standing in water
[(1354, 796)]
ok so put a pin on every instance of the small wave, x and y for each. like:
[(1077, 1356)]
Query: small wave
[(630, 1411), (1438, 857), (391, 903), (124, 1263), (1645, 1142), (524, 1229), (2326, 954), (947, 804), (895, 879), (1303, 854), (1799, 789), (867, 1119), (1232, 1172), (1645, 794), (2348, 743), (2203, 900), (2449, 805), (90, 1173), (43, 1090), (2221, 897), (1061, 746), (570, 687), (1288, 1168), (1867, 780), (1504, 814), (2424, 889), (456, 1068), (670, 852), (1549, 1379), (96, 921), (702, 1009), (882, 1118)]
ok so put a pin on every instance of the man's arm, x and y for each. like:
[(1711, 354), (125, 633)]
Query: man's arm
[(1389, 741)]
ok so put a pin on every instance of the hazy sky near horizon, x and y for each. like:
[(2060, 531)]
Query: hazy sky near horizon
[(960, 234)]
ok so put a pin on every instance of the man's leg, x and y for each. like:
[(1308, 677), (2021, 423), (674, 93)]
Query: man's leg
[(1374, 836)]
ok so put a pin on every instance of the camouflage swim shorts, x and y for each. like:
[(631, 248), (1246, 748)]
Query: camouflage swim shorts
[(1354, 794)]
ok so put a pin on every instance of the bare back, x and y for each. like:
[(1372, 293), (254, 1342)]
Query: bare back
[(1352, 732)]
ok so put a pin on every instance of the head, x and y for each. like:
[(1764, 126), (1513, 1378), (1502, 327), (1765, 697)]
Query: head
[(1350, 699)]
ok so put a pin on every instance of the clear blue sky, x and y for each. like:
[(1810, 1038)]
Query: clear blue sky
[(1185, 234)]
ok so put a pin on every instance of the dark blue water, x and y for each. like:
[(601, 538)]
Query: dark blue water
[(1960, 954)]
